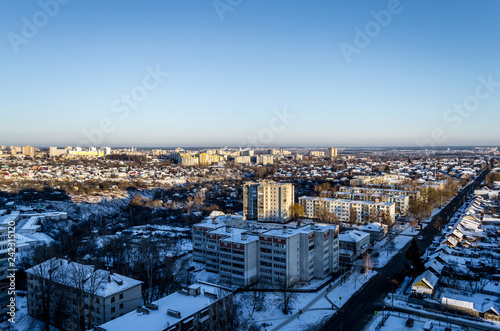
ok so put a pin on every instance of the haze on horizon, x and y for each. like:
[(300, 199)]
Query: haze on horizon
[(427, 73)]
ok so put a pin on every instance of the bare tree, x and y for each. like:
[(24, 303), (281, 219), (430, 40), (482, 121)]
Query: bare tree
[(45, 273), (327, 217), (287, 296), (253, 301)]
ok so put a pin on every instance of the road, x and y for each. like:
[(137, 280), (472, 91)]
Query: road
[(356, 313)]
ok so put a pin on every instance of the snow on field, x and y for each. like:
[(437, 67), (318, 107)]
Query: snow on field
[(397, 321), (386, 252)]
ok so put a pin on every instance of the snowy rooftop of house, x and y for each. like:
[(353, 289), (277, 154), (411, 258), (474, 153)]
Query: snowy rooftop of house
[(375, 226), (186, 305), (106, 282), (428, 278), (435, 265), (353, 236)]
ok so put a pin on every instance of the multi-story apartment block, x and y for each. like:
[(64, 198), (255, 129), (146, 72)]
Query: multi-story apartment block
[(364, 211), (402, 202), (381, 191), (72, 291), (278, 256), (214, 221), (201, 306), (317, 153), (28, 150), (267, 200), (298, 254), (332, 152)]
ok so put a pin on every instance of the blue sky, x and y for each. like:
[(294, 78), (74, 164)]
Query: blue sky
[(226, 78)]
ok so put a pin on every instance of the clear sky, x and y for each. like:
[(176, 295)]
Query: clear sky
[(231, 69)]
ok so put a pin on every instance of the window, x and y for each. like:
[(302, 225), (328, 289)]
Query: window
[(112, 309), (121, 295), (112, 299), (121, 305), (97, 300)]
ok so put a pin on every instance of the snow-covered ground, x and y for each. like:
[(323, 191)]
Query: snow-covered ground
[(386, 251), (316, 307), (397, 321)]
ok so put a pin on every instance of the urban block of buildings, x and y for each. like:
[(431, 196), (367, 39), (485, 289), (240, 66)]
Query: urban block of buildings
[(275, 256)]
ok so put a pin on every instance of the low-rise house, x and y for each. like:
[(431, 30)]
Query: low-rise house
[(376, 230), (352, 245), (425, 284)]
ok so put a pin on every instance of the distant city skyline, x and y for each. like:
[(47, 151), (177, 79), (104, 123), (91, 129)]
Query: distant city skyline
[(171, 73)]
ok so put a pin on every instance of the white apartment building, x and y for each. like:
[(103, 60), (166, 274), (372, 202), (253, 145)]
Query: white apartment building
[(69, 288), (216, 220), (364, 210), (402, 202), (289, 255), (390, 192), (267, 200), (276, 256)]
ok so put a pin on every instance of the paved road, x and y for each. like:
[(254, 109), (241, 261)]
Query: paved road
[(356, 313)]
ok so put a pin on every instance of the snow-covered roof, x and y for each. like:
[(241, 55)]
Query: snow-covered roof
[(375, 226), (435, 265), (353, 236), (100, 282), (457, 303), (185, 304), (428, 279)]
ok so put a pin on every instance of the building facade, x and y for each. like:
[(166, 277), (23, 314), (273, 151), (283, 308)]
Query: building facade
[(347, 210), (267, 201), (278, 256), (74, 292), (332, 152), (402, 202)]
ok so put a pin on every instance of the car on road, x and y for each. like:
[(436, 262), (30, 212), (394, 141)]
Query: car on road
[(420, 237)]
